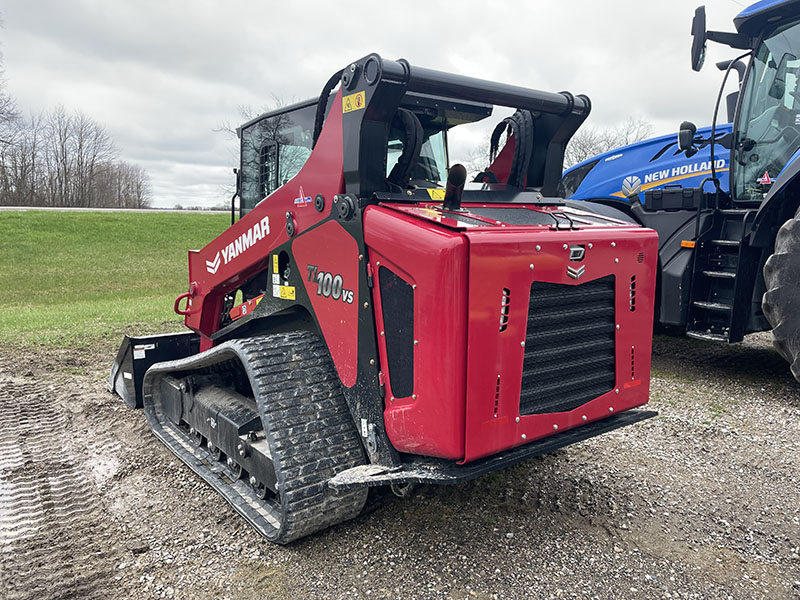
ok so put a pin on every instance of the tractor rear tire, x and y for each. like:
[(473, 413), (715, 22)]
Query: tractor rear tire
[(781, 302)]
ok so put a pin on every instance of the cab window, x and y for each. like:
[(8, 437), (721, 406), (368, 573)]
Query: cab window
[(274, 149)]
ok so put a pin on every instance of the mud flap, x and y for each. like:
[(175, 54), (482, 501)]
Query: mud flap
[(137, 354)]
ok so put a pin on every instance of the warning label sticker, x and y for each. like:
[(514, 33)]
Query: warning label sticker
[(140, 350), (354, 102)]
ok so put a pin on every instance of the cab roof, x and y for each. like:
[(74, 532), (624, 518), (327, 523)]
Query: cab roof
[(764, 14)]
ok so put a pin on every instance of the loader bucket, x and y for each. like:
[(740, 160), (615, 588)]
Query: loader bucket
[(137, 354)]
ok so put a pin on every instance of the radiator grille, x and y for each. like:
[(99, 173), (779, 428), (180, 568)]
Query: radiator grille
[(569, 346)]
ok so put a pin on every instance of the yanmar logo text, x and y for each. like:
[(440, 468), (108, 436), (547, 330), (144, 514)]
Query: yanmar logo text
[(247, 240)]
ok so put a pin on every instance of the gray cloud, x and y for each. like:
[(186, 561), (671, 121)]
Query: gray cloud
[(162, 76)]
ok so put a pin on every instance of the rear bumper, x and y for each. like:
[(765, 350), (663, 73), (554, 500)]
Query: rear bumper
[(137, 354), (439, 471)]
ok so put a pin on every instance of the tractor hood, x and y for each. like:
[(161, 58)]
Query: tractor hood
[(654, 163)]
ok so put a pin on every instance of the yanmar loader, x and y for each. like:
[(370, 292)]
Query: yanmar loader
[(369, 321), (723, 199)]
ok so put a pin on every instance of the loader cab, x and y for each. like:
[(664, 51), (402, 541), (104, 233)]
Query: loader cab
[(275, 145)]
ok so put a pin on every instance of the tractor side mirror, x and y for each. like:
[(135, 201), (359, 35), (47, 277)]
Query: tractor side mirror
[(686, 138), (699, 38), (778, 87)]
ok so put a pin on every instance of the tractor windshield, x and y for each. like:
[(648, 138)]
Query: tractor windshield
[(768, 132)]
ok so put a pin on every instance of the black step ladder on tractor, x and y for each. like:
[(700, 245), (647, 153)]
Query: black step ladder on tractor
[(723, 270)]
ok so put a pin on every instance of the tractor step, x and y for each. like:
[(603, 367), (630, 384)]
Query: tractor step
[(718, 306), (722, 271), (707, 337), (720, 274)]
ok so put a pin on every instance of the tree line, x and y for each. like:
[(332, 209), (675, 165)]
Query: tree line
[(60, 158)]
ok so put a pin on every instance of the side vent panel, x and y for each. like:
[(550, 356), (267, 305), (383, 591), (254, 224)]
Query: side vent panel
[(397, 303)]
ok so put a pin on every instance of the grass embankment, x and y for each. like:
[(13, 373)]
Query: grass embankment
[(73, 278)]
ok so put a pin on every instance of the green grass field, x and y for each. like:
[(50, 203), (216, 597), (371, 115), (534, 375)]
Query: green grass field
[(75, 278)]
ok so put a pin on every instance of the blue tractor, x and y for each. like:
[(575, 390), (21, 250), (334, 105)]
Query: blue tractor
[(723, 199)]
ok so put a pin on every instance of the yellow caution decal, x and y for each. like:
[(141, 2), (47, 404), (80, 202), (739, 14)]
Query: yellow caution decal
[(354, 102)]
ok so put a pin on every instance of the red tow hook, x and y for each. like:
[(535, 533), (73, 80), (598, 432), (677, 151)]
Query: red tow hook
[(194, 289)]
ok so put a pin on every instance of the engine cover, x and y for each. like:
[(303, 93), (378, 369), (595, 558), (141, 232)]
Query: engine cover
[(505, 324)]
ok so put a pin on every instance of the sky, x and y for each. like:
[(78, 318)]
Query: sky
[(163, 76)]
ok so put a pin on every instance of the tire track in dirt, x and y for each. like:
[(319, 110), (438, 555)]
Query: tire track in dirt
[(54, 541)]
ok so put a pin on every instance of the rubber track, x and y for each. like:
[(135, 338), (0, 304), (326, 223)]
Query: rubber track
[(309, 429), (781, 302), (53, 542)]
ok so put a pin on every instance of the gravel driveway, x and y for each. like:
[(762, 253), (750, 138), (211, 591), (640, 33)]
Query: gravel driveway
[(702, 501)]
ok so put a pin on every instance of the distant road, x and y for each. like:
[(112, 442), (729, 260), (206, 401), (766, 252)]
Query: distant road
[(136, 210)]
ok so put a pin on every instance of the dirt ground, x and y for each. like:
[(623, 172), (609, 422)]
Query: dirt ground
[(702, 501)]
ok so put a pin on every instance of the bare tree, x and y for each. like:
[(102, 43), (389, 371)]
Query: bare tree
[(93, 151), (590, 141), (63, 159)]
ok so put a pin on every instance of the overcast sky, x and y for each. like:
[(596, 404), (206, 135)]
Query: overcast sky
[(163, 75)]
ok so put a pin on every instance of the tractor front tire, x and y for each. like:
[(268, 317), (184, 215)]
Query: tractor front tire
[(781, 302)]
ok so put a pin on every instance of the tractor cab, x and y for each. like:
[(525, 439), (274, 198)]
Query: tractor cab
[(767, 132)]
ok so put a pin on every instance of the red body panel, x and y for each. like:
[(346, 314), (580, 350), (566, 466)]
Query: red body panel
[(435, 261), (458, 410), (222, 265), (328, 250)]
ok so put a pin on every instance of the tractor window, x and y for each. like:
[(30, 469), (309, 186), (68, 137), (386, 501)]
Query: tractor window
[(274, 149), (768, 131), (432, 164)]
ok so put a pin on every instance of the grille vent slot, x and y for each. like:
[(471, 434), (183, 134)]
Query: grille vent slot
[(569, 346), (505, 304), (496, 396), (397, 304)]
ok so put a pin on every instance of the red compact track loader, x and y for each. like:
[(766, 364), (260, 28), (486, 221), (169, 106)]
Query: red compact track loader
[(371, 319)]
